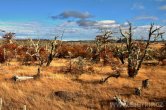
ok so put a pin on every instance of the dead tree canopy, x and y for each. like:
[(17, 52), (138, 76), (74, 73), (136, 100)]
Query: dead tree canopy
[(137, 53), (105, 37), (101, 38), (8, 36), (54, 46)]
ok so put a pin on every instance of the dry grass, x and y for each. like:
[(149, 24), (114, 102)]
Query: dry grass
[(39, 94), (85, 93)]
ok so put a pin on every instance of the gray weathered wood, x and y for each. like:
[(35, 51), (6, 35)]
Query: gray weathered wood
[(22, 78), (145, 83), (24, 107), (137, 91), (119, 102)]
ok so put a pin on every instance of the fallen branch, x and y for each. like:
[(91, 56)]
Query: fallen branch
[(22, 78), (24, 107), (116, 75), (120, 102), (128, 104)]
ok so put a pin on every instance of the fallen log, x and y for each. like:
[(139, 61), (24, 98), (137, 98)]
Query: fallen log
[(116, 75), (120, 102), (126, 104), (22, 78)]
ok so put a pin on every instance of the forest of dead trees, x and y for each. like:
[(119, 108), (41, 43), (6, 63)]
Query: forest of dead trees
[(129, 51)]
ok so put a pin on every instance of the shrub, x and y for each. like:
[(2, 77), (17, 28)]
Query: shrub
[(2, 58)]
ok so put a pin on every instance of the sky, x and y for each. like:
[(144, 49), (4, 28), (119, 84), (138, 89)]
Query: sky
[(79, 19)]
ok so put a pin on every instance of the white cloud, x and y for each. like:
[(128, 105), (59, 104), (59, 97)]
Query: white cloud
[(146, 18), (97, 24), (142, 31), (27, 29), (107, 22), (126, 23), (138, 6), (164, 21), (72, 30), (162, 7), (46, 31)]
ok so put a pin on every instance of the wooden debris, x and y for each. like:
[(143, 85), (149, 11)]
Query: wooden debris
[(145, 83), (120, 102), (22, 78), (116, 75), (38, 74), (24, 107), (137, 91)]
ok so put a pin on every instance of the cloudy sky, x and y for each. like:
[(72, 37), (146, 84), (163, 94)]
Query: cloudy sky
[(79, 19)]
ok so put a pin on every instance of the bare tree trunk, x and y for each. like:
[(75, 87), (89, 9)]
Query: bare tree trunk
[(135, 59), (50, 57)]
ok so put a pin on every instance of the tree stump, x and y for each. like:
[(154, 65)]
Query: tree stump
[(145, 83), (137, 91)]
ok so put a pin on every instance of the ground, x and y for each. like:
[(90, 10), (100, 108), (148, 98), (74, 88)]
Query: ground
[(55, 90)]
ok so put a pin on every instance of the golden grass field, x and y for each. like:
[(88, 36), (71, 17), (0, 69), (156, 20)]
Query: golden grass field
[(39, 94), (56, 90)]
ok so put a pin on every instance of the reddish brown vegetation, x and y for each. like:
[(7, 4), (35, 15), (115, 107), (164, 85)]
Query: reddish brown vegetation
[(76, 50)]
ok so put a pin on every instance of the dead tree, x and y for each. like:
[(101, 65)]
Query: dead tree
[(120, 53), (101, 44), (136, 54), (54, 45), (36, 52), (35, 48), (79, 64), (52, 52), (75, 66), (70, 61), (8, 36)]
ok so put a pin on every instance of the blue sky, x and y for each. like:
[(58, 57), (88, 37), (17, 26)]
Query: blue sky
[(81, 19)]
